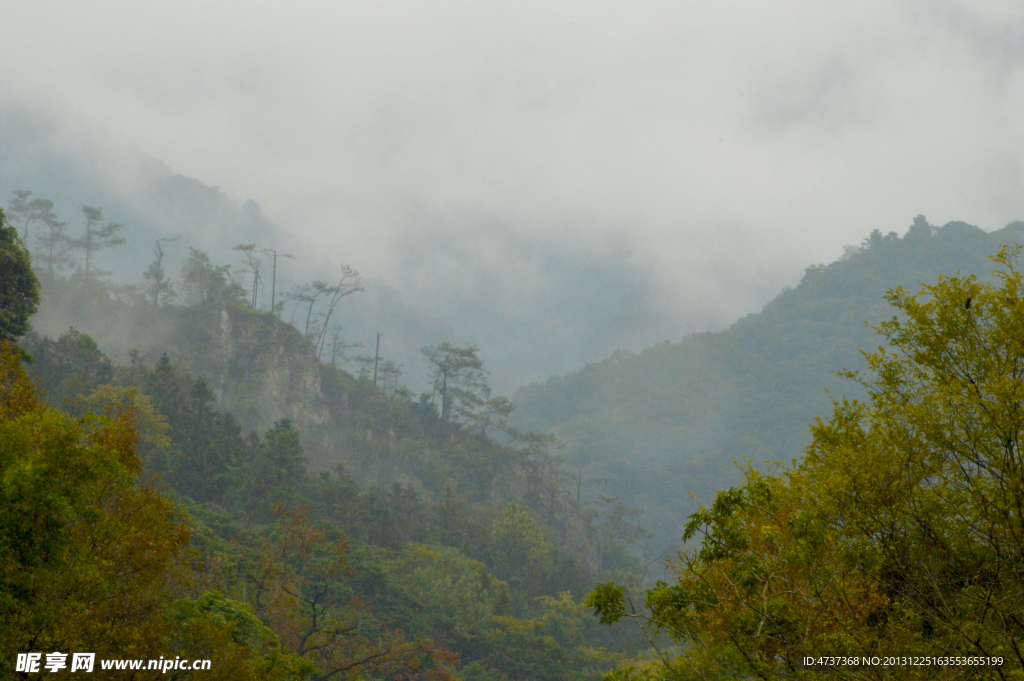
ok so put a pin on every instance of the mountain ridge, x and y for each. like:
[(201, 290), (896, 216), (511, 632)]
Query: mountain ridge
[(674, 417)]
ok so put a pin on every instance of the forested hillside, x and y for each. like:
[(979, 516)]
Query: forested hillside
[(893, 548), (218, 486), (653, 426), (239, 499)]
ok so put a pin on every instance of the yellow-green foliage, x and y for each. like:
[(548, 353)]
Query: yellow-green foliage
[(899, 533), (555, 645), (91, 558)]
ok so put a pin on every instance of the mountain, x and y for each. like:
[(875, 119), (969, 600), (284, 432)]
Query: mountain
[(538, 299), (455, 532), (654, 426), (76, 168)]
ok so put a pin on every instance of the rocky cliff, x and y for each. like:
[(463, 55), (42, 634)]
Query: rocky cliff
[(260, 368)]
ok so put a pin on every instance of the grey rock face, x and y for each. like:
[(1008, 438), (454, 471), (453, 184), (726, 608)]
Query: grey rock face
[(261, 369)]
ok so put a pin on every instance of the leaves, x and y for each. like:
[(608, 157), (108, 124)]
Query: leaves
[(459, 379), (89, 557), (899, 533), (608, 602), (19, 289)]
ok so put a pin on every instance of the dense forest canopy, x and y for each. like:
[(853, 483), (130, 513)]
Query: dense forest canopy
[(393, 341), (225, 488), (324, 525)]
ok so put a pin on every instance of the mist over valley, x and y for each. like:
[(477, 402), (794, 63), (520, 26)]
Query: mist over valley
[(468, 342)]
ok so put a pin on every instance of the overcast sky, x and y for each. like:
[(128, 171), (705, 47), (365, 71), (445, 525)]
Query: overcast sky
[(688, 157)]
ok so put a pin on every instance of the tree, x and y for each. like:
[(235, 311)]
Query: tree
[(55, 246), (253, 265), (22, 210), (555, 645), (309, 293), (154, 446), (93, 556), (160, 286), (69, 367), (348, 283), (19, 288), (89, 557), (900, 531), (920, 230), (97, 238), (390, 377), (203, 282), (274, 255), (459, 379), (208, 443), (339, 346), (25, 211), (278, 469), (317, 332), (299, 585), (520, 553), (494, 413)]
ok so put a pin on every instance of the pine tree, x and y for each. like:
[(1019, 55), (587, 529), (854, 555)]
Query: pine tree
[(95, 238)]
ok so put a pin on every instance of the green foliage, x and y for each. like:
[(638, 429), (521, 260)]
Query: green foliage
[(433, 589), (451, 523), (459, 380), (553, 646), (899, 533), (277, 470), (608, 602), (228, 631), (673, 418), (19, 288), (204, 283), (521, 552), (208, 442), (436, 591), (91, 559), (69, 367)]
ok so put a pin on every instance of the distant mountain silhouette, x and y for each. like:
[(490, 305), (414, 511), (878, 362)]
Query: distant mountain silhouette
[(672, 419)]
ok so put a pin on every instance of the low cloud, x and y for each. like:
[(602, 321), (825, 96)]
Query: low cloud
[(554, 181)]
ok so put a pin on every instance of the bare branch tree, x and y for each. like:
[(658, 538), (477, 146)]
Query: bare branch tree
[(339, 346), (160, 285), (310, 293), (390, 376), (348, 284), (274, 255)]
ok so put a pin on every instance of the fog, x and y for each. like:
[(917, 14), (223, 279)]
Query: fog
[(551, 181)]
